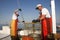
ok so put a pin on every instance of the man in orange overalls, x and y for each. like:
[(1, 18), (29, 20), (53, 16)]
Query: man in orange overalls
[(14, 26), (46, 21)]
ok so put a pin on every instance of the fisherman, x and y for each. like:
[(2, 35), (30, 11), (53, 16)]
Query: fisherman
[(46, 21), (14, 24)]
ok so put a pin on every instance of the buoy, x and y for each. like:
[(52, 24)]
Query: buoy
[(27, 38)]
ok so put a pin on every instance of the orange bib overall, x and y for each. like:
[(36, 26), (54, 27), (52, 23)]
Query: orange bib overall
[(46, 24)]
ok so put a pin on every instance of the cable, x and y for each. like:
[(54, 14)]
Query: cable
[(18, 4)]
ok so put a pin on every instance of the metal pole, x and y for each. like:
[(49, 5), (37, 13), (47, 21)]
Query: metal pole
[(53, 16)]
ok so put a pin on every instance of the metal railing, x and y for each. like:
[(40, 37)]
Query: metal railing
[(28, 26)]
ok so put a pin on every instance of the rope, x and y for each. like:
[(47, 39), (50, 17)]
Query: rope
[(4, 37), (18, 3)]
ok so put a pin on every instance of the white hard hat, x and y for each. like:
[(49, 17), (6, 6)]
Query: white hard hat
[(38, 5)]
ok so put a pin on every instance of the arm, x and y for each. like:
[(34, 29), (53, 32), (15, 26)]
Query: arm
[(42, 17)]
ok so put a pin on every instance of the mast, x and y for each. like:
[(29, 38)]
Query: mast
[(53, 16)]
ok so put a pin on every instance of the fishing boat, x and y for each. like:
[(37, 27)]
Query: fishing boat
[(31, 31)]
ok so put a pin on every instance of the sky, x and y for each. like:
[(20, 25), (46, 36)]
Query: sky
[(29, 12)]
